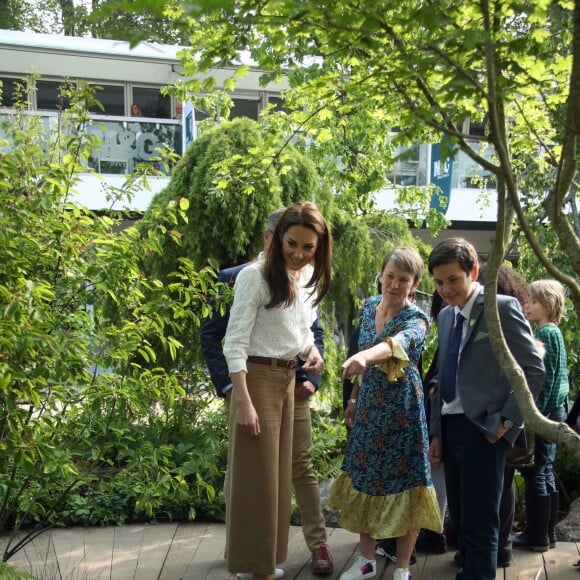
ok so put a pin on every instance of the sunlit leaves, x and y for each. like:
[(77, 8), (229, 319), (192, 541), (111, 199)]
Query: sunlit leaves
[(84, 333)]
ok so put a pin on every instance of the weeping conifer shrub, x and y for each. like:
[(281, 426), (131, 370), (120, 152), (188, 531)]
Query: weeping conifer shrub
[(232, 176)]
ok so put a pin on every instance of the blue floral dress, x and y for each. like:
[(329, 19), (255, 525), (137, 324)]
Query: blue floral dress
[(384, 488)]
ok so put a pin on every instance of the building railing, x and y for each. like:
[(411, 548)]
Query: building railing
[(128, 141), (125, 141)]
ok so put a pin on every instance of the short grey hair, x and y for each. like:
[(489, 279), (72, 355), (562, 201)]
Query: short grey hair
[(273, 219), (408, 259)]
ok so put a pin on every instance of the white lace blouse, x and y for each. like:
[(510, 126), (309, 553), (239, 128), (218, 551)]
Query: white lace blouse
[(254, 330)]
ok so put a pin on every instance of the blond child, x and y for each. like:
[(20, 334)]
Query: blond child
[(545, 308)]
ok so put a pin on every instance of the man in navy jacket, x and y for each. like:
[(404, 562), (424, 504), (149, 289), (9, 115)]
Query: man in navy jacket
[(306, 488)]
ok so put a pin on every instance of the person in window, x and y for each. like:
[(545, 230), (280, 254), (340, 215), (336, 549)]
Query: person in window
[(136, 110), (178, 109)]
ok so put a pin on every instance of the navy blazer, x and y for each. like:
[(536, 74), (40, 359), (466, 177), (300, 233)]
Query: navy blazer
[(213, 331), (484, 390)]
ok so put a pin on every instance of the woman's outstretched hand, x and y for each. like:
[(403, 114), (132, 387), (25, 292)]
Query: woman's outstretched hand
[(355, 365)]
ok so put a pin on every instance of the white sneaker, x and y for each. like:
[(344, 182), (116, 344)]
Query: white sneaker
[(362, 568), (278, 573), (401, 574)]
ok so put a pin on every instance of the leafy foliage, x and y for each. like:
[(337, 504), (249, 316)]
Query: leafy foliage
[(369, 78), (113, 19), (92, 430), (101, 420), (10, 573), (232, 178)]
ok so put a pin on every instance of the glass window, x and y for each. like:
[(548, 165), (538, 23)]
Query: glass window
[(278, 103), (477, 129), (469, 174), (9, 90), (406, 167), (244, 108), (152, 103), (112, 99), (200, 115), (405, 180), (48, 96)]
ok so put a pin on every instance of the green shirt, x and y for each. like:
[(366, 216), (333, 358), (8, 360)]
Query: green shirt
[(554, 392)]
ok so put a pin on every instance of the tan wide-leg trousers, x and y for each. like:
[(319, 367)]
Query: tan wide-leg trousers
[(260, 474)]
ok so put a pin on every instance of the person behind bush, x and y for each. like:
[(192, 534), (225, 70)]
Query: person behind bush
[(429, 541), (545, 308), (474, 416), (521, 455), (384, 489), (275, 305)]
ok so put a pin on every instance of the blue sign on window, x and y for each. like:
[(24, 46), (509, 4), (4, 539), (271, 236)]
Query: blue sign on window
[(441, 175)]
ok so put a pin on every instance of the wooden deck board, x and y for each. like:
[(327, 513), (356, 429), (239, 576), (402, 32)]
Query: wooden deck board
[(156, 544), (101, 558), (179, 560), (526, 565), (560, 562), (125, 551), (196, 552), (434, 568), (38, 557), (71, 552), (209, 562)]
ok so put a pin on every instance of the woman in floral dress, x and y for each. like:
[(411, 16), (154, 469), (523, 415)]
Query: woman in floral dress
[(384, 489)]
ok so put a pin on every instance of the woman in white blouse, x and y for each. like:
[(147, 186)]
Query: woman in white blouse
[(274, 307)]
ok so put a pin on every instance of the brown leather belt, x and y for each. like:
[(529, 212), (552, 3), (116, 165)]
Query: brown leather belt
[(283, 363)]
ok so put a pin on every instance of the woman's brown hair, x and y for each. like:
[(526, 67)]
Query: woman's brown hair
[(307, 215)]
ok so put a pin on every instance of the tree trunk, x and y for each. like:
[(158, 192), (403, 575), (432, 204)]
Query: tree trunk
[(68, 17)]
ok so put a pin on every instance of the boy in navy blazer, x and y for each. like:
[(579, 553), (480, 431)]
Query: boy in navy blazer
[(475, 417)]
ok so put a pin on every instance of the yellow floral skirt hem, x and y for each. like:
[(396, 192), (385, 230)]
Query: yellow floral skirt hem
[(389, 516)]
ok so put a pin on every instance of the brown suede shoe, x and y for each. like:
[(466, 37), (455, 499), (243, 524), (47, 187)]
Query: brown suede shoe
[(322, 562)]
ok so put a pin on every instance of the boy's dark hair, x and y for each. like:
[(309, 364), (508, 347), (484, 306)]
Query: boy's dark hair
[(453, 250)]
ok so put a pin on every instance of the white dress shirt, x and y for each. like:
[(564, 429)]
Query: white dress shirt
[(254, 330)]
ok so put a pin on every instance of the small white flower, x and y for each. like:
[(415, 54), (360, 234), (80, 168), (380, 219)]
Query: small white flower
[(471, 321)]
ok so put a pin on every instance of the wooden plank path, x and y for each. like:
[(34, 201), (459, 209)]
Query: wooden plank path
[(194, 551)]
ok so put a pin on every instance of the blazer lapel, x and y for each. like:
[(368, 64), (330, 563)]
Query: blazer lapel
[(476, 313)]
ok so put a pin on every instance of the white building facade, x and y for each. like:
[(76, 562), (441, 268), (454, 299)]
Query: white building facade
[(134, 76)]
